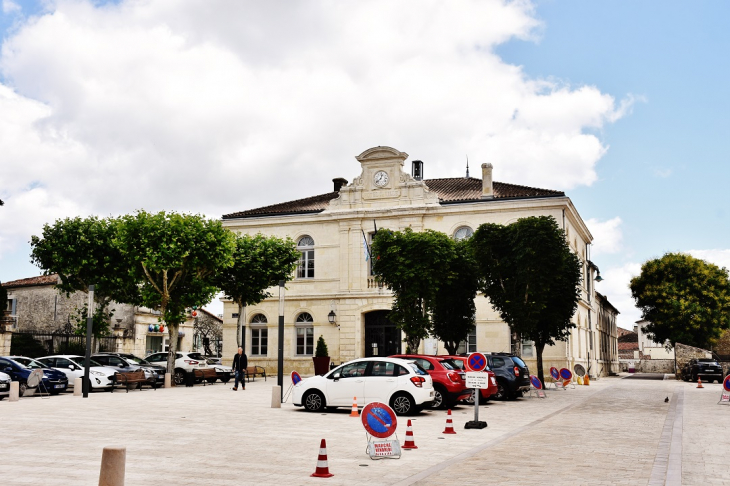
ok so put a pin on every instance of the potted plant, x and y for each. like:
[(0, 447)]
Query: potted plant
[(321, 357)]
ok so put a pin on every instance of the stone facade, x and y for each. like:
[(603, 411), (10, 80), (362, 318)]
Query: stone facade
[(333, 226), (683, 354), (36, 305)]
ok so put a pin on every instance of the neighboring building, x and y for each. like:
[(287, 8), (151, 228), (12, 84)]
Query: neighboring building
[(649, 349), (628, 347), (334, 279), (36, 309)]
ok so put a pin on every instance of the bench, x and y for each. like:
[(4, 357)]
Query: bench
[(130, 378), (252, 371), (206, 375)]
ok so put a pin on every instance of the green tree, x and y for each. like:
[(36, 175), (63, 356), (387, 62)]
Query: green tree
[(82, 252), (531, 277), (260, 262), (454, 308), (686, 300), (175, 257), (415, 266)]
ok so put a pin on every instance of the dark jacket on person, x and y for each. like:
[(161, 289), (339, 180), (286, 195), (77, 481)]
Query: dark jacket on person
[(240, 362)]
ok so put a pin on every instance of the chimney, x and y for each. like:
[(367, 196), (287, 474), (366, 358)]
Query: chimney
[(339, 182), (487, 189), (417, 170)]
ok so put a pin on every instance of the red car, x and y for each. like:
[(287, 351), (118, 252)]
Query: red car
[(460, 363), (448, 382)]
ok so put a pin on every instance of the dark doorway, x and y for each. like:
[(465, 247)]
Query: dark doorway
[(381, 332)]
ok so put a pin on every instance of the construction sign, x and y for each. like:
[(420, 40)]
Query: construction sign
[(380, 422)]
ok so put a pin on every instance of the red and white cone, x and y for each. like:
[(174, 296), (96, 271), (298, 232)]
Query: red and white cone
[(699, 382), (409, 438), (322, 471), (449, 425), (354, 413)]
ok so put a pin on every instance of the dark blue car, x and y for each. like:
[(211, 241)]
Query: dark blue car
[(19, 368)]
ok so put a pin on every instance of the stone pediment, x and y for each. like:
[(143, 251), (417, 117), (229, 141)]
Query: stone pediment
[(382, 183)]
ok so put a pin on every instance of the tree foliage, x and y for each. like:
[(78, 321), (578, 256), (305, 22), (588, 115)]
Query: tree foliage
[(686, 300), (260, 262), (175, 258), (453, 316), (415, 266), (531, 277)]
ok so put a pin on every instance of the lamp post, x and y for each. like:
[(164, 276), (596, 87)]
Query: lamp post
[(280, 372), (85, 385)]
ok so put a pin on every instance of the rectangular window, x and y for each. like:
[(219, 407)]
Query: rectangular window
[(470, 345), (306, 264), (259, 341), (528, 349), (305, 341)]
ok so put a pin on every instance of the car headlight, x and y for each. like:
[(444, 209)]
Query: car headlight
[(96, 373)]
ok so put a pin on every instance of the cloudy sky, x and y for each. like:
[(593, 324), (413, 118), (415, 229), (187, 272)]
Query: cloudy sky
[(217, 106)]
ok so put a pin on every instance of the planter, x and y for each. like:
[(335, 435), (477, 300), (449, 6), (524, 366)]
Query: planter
[(321, 365)]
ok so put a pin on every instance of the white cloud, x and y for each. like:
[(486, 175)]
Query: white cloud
[(212, 106), (10, 7), (721, 258), (615, 286), (607, 236)]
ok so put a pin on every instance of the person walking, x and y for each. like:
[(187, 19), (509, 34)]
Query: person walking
[(240, 362)]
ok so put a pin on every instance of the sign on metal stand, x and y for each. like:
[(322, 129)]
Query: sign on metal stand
[(476, 379), (725, 397), (380, 422)]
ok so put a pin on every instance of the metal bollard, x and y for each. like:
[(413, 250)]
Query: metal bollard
[(14, 391), (78, 387), (113, 461), (276, 396)]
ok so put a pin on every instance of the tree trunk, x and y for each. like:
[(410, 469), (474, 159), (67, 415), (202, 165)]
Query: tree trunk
[(172, 329), (412, 344), (240, 331), (451, 347), (539, 348)]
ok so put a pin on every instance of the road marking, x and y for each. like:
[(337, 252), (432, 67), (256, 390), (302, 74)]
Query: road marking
[(667, 467)]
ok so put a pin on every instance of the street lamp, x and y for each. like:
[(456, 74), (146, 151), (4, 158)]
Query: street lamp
[(332, 317), (280, 373), (86, 384)]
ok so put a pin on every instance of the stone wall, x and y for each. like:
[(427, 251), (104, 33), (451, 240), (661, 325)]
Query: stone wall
[(649, 365)]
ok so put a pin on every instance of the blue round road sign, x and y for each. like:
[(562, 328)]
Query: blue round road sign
[(379, 420), (536, 382), (477, 362), (566, 374), (726, 383), (554, 373), (295, 378)]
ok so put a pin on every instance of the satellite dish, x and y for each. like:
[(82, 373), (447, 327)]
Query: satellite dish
[(35, 378), (579, 370)]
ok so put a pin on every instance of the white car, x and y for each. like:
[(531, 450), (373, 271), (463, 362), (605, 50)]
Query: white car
[(73, 367), (184, 363), (5, 380), (400, 383)]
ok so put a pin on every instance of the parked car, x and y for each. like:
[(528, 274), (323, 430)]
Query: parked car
[(449, 386), (706, 368), (150, 369), (224, 372), (402, 384), (5, 380), (512, 374), (459, 362), (185, 363), (19, 368), (73, 367)]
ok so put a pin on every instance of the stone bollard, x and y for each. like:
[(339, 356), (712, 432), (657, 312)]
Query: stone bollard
[(168, 380), (276, 396), (14, 391), (112, 466), (78, 387)]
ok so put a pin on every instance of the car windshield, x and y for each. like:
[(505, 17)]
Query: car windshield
[(417, 369), (79, 361), (197, 356), (211, 361), (448, 364), (135, 359), (457, 364), (30, 363), (519, 362)]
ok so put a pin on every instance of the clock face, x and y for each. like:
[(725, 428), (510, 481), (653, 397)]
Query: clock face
[(381, 178)]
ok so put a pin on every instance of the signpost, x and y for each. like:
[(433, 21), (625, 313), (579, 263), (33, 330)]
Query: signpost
[(380, 421), (725, 397), (537, 386), (476, 379)]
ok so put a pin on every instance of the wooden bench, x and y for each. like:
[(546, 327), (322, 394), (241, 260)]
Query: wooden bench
[(252, 371), (206, 375), (133, 378)]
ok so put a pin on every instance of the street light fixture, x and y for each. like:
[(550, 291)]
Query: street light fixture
[(332, 317)]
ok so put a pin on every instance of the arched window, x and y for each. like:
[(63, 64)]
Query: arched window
[(259, 335), (463, 233), (306, 257), (305, 334)]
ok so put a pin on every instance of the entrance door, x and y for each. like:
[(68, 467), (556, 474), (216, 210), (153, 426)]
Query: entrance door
[(382, 338)]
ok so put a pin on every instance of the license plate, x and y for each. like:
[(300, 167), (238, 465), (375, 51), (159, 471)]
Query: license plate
[(59, 386), (710, 370), (3, 385)]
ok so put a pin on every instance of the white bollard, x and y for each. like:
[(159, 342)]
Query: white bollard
[(276, 396), (168, 380), (113, 460), (14, 391), (78, 387)]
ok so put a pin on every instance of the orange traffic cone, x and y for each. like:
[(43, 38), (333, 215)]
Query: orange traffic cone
[(699, 382), (354, 408), (322, 471), (409, 438), (449, 425)]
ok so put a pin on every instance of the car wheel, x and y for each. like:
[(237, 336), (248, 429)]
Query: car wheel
[(694, 378), (470, 400), (438, 398), (22, 388), (502, 393), (226, 379), (314, 401), (179, 376), (402, 404)]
